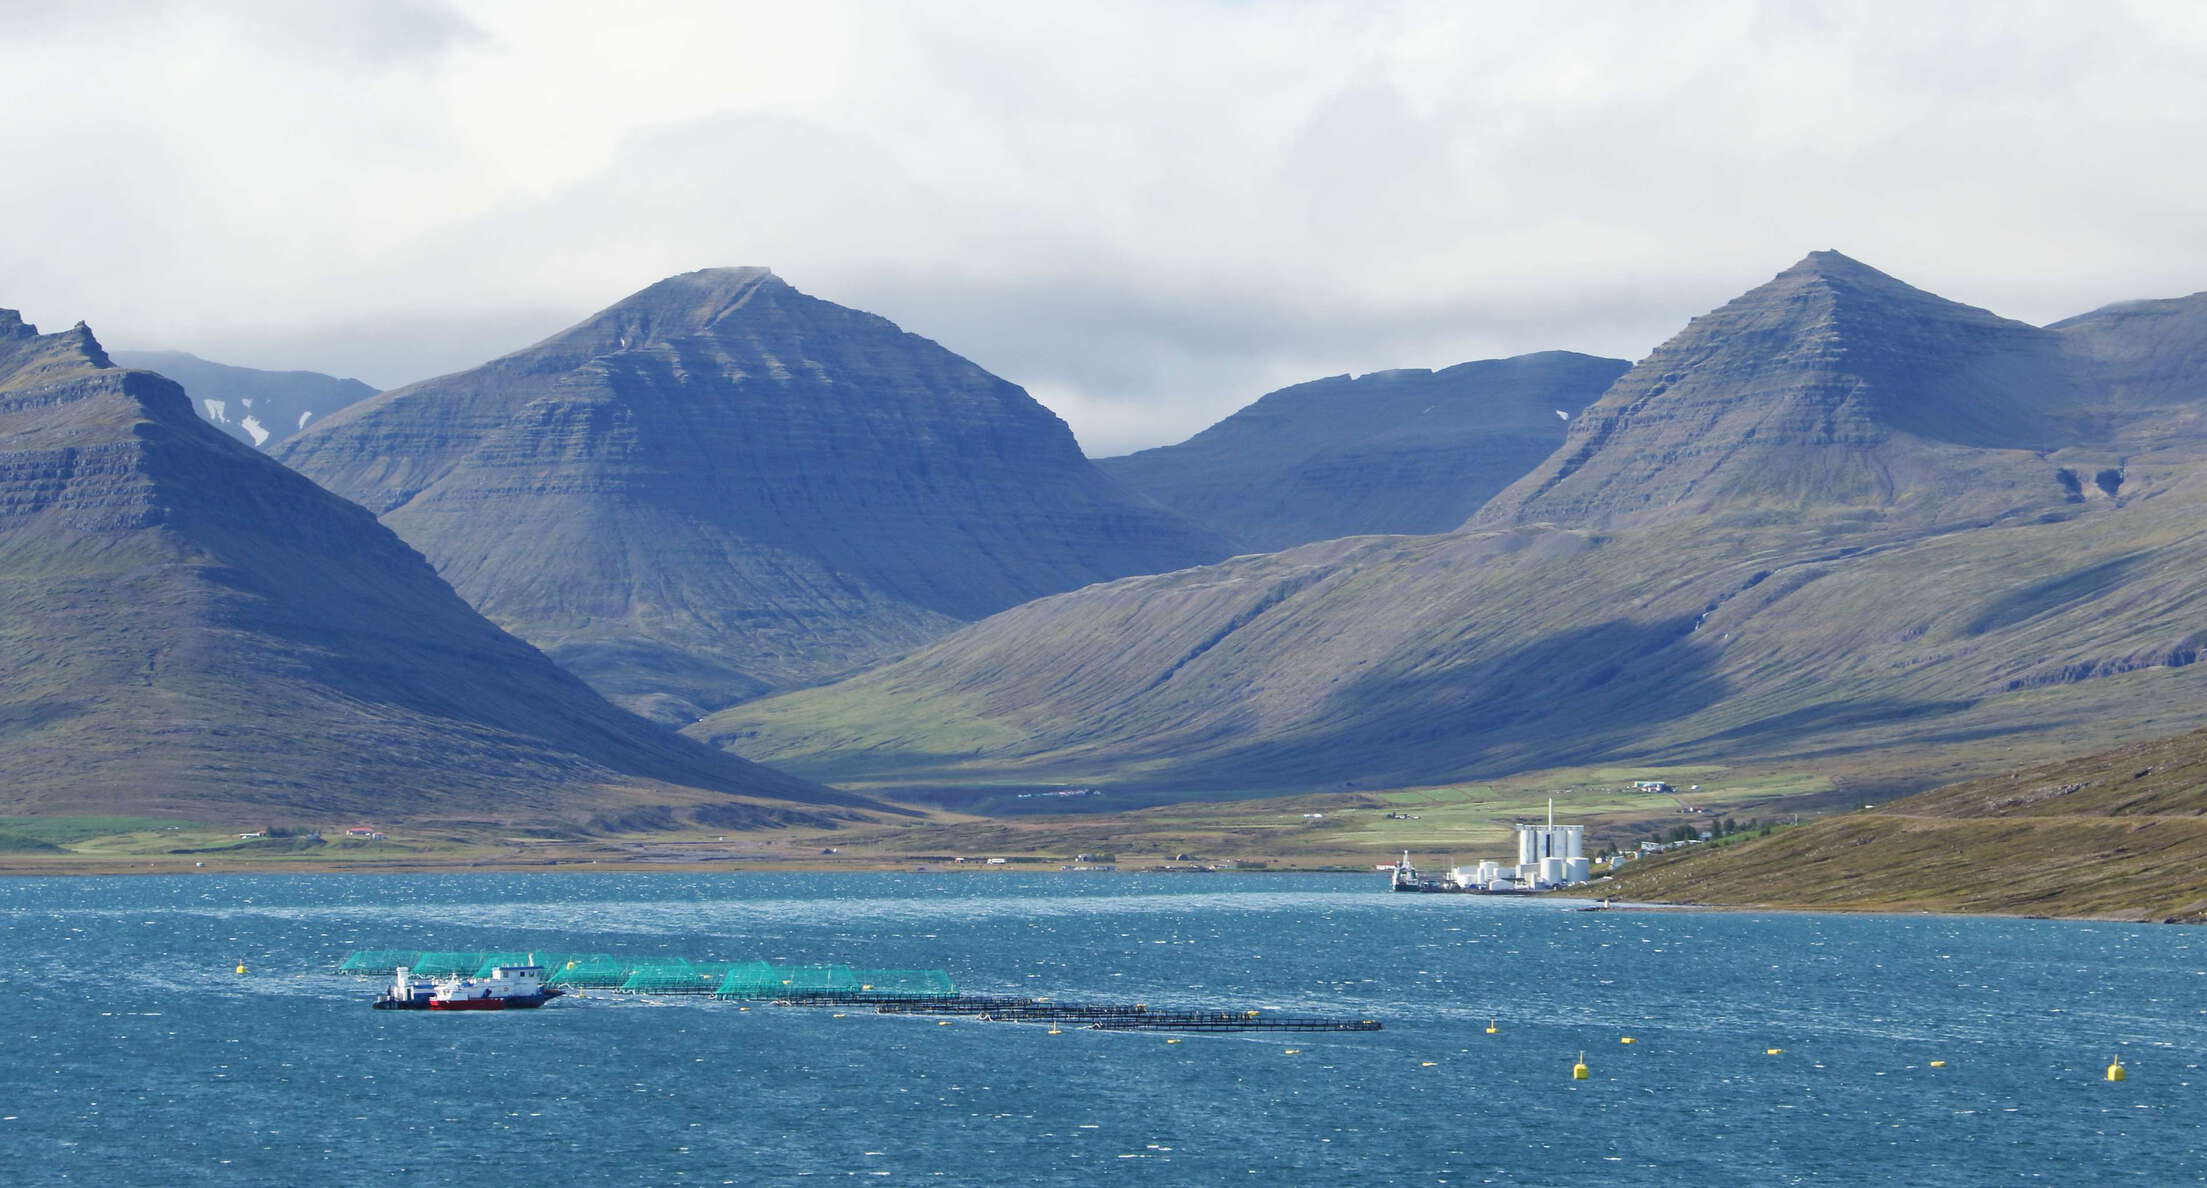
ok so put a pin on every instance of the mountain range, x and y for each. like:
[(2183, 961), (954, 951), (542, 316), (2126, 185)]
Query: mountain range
[(189, 628), (722, 486), (1837, 522), (1405, 451), (260, 408)]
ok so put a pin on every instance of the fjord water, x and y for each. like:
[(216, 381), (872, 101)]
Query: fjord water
[(130, 1053)]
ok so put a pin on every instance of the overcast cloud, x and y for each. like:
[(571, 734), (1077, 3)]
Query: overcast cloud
[(1148, 214)]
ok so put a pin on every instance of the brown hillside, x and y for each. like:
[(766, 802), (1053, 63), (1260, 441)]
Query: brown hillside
[(2122, 833)]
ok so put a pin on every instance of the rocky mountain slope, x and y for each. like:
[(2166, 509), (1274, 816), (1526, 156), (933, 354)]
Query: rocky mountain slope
[(1405, 451), (1898, 587), (259, 408), (2151, 356), (721, 485), (1832, 387), (2121, 833), (189, 629)]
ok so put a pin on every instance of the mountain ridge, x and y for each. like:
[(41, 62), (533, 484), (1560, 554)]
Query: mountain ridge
[(1409, 450), (261, 408)]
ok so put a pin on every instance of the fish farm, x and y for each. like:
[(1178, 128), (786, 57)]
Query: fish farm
[(923, 992)]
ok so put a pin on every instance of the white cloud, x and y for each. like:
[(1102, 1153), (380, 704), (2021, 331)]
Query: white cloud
[(1147, 212)]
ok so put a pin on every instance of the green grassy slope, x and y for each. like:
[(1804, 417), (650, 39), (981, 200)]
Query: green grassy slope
[(1895, 659)]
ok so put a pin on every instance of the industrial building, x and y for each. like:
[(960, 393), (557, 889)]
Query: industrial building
[(1552, 855), (1548, 856)]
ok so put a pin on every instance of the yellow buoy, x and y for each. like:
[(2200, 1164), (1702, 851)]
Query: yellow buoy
[(1774, 1051), (838, 1014), (1427, 1063), (1294, 1051), (942, 1022), (2116, 1071), (1626, 1040), (1579, 1070), (1491, 1028), (241, 967), (1172, 1041), (1938, 1064), (1055, 1031)]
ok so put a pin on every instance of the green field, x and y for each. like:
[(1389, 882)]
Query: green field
[(1437, 824)]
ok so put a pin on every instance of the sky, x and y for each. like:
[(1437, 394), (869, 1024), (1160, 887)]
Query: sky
[(1148, 214)]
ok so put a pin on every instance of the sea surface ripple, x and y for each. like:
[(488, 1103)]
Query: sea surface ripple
[(130, 1053)]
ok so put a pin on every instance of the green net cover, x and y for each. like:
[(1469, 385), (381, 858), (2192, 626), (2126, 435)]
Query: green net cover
[(379, 961), (755, 980), (590, 971), (448, 965), (915, 984), (672, 977)]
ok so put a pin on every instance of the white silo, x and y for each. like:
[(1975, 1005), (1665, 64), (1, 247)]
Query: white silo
[(1538, 842)]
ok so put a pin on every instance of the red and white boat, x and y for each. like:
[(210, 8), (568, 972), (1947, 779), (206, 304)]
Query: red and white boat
[(509, 987)]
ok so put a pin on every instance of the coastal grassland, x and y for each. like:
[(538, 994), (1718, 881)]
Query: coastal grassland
[(2121, 834), (1356, 830), (89, 845), (61, 831)]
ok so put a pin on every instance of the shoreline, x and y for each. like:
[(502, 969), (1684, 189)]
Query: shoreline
[(1768, 909), (89, 867), (81, 866)]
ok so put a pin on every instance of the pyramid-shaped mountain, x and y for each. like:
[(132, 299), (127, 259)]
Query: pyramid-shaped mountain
[(1410, 450), (722, 485), (190, 629), (1832, 388)]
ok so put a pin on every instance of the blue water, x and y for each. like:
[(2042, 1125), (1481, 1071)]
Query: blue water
[(131, 1054)]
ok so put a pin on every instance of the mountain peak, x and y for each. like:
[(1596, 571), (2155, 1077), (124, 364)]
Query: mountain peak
[(686, 304), (81, 338), (719, 484), (706, 286), (1830, 262), (1832, 385), (1841, 274), (27, 357)]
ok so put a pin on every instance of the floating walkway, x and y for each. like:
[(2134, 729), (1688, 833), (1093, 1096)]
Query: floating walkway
[(927, 992), (1230, 1021), (1124, 1016)]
